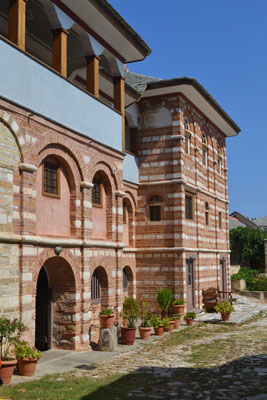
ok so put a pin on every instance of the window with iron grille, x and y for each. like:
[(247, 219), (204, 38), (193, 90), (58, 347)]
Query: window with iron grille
[(95, 288), (96, 192), (125, 281), (188, 207), (51, 186)]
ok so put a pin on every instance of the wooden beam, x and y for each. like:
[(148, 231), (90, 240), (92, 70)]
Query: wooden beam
[(17, 22), (60, 41), (92, 74), (119, 103)]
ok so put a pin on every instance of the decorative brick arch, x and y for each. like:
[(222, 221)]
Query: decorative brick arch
[(98, 164), (14, 128), (71, 167), (61, 142), (131, 277), (103, 262), (67, 256), (132, 200)]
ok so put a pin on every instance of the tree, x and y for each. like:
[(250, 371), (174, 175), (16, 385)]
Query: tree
[(247, 247)]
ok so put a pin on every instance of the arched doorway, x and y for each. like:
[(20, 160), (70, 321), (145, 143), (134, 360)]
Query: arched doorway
[(56, 306), (43, 312)]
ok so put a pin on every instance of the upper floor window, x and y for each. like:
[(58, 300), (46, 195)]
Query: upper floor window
[(188, 207), (155, 208), (97, 192), (219, 160), (51, 179), (207, 213), (130, 138), (186, 124), (204, 150), (220, 220)]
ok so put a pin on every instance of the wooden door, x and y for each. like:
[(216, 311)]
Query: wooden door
[(190, 283)]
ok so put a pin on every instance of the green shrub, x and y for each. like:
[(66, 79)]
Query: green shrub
[(130, 311), (259, 284), (190, 315), (224, 307), (164, 298), (178, 302), (245, 273), (166, 322), (107, 311), (155, 321), (23, 350)]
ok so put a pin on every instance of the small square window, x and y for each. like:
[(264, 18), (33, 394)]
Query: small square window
[(51, 176), (155, 213), (96, 192), (188, 207)]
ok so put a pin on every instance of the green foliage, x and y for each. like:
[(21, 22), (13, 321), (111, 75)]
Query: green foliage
[(224, 307), (10, 331), (176, 317), (166, 322), (259, 284), (178, 302), (190, 315), (23, 350), (247, 247), (155, 321), (130, 311), (164, 298), (145, 314), (245, 273), (107, 311)]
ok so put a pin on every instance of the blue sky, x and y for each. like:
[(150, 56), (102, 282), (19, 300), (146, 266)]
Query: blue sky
[(223, 44)]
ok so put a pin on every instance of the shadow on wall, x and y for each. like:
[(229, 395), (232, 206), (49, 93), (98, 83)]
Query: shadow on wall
[(229, 381)]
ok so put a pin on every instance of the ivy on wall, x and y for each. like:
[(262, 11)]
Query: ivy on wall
[(247, 247)]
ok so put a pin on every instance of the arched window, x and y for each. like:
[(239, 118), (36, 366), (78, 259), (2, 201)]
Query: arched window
[(97, 192), (207, 213), (204, 150), (155, 208), (95, 288), (186, 124), (125, 281)]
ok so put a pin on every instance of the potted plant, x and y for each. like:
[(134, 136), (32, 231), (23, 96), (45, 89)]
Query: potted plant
[(164, 298), (145, 327), (157, 324), (189, 317), (166, 324), (178, 306), (131, 312), (27, 357), (225, 308), (10, 332), (176, 319), (107, 318)]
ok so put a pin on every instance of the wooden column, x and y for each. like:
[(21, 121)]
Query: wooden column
[(92, 74), (17, 22), (119, 103), (60, 50)]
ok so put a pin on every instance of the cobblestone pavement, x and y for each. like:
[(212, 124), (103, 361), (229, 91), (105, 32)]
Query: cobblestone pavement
[(225, 362)]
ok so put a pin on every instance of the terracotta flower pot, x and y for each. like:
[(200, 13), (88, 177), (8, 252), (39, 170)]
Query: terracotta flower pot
[(128, 336), (178, 309), (107, 321), (27, 367), (168, 329), (144, 332), (172, 323), (177, 324), (6, 370), (225, 317), (159, 331), (189, 321)]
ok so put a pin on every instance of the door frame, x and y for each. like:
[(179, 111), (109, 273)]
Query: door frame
[(190, 260)]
